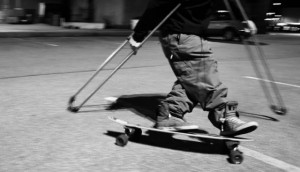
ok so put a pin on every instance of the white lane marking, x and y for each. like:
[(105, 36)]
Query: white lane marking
[(280, 83), (53, 45), (45, 43), (286, 34), (38, 42), (269, 160)]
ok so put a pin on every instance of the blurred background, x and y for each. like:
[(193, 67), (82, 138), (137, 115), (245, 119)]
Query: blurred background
[(49, 48), (274, 15)]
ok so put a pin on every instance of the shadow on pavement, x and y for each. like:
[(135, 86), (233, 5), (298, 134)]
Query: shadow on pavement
[(259, 116), (167, 141), (145, 106)]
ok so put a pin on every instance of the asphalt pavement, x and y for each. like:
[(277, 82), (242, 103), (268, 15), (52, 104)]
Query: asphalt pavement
[(38, 75)]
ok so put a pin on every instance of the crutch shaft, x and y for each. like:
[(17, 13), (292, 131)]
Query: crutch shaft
[(151, 33), (263, 59), (102, 66), (129, 56), (280, 107), (72, 99), (110, 75)]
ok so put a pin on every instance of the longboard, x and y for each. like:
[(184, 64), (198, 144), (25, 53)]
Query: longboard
[(134, 131)]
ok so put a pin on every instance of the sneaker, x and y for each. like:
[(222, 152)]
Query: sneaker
[(173, 123), (234, 126)]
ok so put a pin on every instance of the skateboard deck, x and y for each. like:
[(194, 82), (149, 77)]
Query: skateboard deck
[(134, 132), (181, 132)]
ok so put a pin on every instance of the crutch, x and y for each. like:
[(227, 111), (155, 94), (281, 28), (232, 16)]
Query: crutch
[(278, 108), (73, 108)]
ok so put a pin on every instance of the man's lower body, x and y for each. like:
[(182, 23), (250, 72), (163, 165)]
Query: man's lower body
[(198, 82)]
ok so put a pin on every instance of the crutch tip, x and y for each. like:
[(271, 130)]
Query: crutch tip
[(73, 109), (280, 110)]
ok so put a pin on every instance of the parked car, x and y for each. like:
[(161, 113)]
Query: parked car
[(20, 16), (222, 25), (287, 27), (26, 19)]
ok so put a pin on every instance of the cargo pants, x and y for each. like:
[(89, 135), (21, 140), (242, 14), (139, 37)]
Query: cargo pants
[(191, 60)]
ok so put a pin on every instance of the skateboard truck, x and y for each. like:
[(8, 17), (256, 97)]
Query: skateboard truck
[(235, 155)]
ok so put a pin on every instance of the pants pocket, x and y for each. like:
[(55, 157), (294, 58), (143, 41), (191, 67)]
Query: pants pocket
[(182, 69)]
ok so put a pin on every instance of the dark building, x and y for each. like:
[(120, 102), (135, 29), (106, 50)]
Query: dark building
[(118, 13), (15, 11)]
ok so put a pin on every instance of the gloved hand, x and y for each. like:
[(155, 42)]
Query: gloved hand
[(134, 45), (252, 27)]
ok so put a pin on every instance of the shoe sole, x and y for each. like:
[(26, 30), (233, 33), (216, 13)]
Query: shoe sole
[(179, 128), (244, 130)]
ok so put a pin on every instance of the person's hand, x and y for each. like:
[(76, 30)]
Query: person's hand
[(134, 45), (252, 27)]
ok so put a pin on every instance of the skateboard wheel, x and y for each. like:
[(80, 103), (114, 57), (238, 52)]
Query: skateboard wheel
[(236, 157), (278, 109), (122, 140)]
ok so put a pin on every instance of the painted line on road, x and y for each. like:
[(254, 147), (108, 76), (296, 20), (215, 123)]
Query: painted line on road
[(269, 160), (285, 34), (53, 45), (37, 42), (45, 43), (280, 83)]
